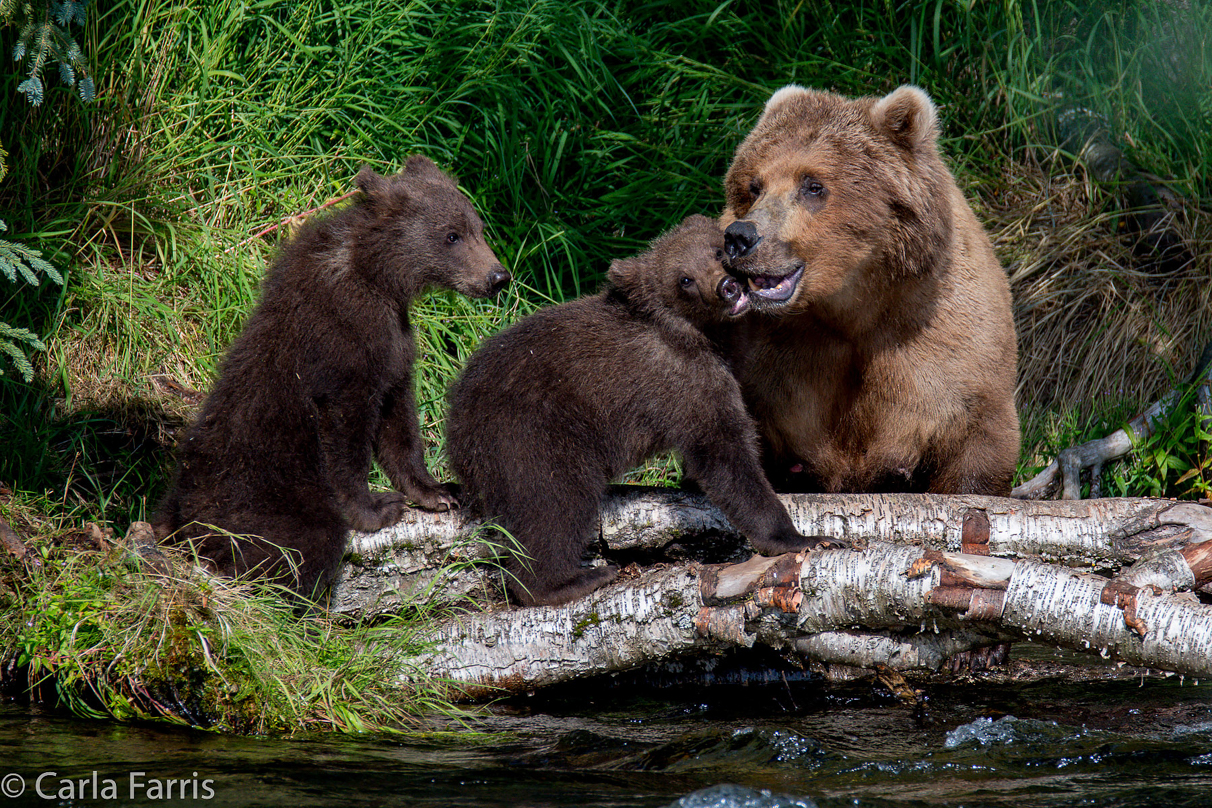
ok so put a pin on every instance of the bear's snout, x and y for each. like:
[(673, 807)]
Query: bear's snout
[(497, 279), (733, 293), (740, 238)]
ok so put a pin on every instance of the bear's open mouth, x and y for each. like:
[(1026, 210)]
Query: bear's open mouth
[(775, 287)]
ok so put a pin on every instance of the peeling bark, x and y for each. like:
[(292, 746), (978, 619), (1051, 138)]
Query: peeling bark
[(910, 599), (405, 562), (913, 608)]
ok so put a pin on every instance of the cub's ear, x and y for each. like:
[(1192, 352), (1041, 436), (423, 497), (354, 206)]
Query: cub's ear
[(907, 117), (781, 97), (371, 183), (624, 273), (419, 165)]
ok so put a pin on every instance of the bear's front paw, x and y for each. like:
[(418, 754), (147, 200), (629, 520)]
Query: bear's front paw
[(384, 509), (433, 497), (826, 542)]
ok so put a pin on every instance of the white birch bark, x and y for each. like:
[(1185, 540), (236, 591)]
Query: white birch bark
[(856, 650), (390, 567), (616, 628), (809, 602)]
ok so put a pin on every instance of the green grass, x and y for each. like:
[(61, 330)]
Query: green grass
[(98, 632)]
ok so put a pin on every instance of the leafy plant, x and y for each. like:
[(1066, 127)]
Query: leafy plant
[(1174, 461)]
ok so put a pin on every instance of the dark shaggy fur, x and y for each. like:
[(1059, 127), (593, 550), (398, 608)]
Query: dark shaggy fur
[(551, 410), (321, 379)]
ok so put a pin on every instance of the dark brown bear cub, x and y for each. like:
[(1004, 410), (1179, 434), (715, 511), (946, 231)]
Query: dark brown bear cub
[(551, 410), (321, 379)]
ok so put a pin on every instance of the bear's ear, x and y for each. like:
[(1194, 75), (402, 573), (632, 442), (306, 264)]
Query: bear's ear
[(371, 183), (781, 97), (907, 116), (624, 273), (419, 165)]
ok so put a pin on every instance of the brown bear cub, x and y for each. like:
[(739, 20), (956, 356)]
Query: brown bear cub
[(551, 410), (882, 355), (321, 379)]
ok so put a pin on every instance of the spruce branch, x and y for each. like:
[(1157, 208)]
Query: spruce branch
[(9, 339), (27, 264), (18, 260), (44, 38)]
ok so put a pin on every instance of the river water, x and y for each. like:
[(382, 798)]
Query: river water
[(1107, 739)]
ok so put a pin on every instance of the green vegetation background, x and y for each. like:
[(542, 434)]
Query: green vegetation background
[(580, 129)]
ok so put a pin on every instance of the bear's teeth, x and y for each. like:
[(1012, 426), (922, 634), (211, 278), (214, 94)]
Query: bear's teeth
[(775, 288)]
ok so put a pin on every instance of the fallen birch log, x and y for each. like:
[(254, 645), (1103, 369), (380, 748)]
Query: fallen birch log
[(413, 559), (801, 602)]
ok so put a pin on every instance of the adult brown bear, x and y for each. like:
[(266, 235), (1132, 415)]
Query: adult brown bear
[(882, 355)]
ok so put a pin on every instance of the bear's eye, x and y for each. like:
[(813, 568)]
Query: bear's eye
[(811, 188), (687, 282), (452, 238), (755, 188), (719, 254)]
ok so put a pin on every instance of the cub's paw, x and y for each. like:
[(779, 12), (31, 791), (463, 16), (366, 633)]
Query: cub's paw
[(580, 586), (794, 542), (382, 509), (433, 497), (826, 542)]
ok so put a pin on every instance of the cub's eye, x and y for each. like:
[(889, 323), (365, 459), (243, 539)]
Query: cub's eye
[(719, 254), (452, 238), (755, 188), (812, 188), (687, 282)]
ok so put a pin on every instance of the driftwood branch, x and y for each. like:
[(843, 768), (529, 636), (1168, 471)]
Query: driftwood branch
[(1068, 466)]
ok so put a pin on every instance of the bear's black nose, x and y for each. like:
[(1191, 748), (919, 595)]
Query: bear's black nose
[(729, 289), (497, 280), (740, 238)]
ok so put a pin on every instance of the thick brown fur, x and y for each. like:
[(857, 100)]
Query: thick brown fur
[(888, 362), (551, 410), (321, 379)]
